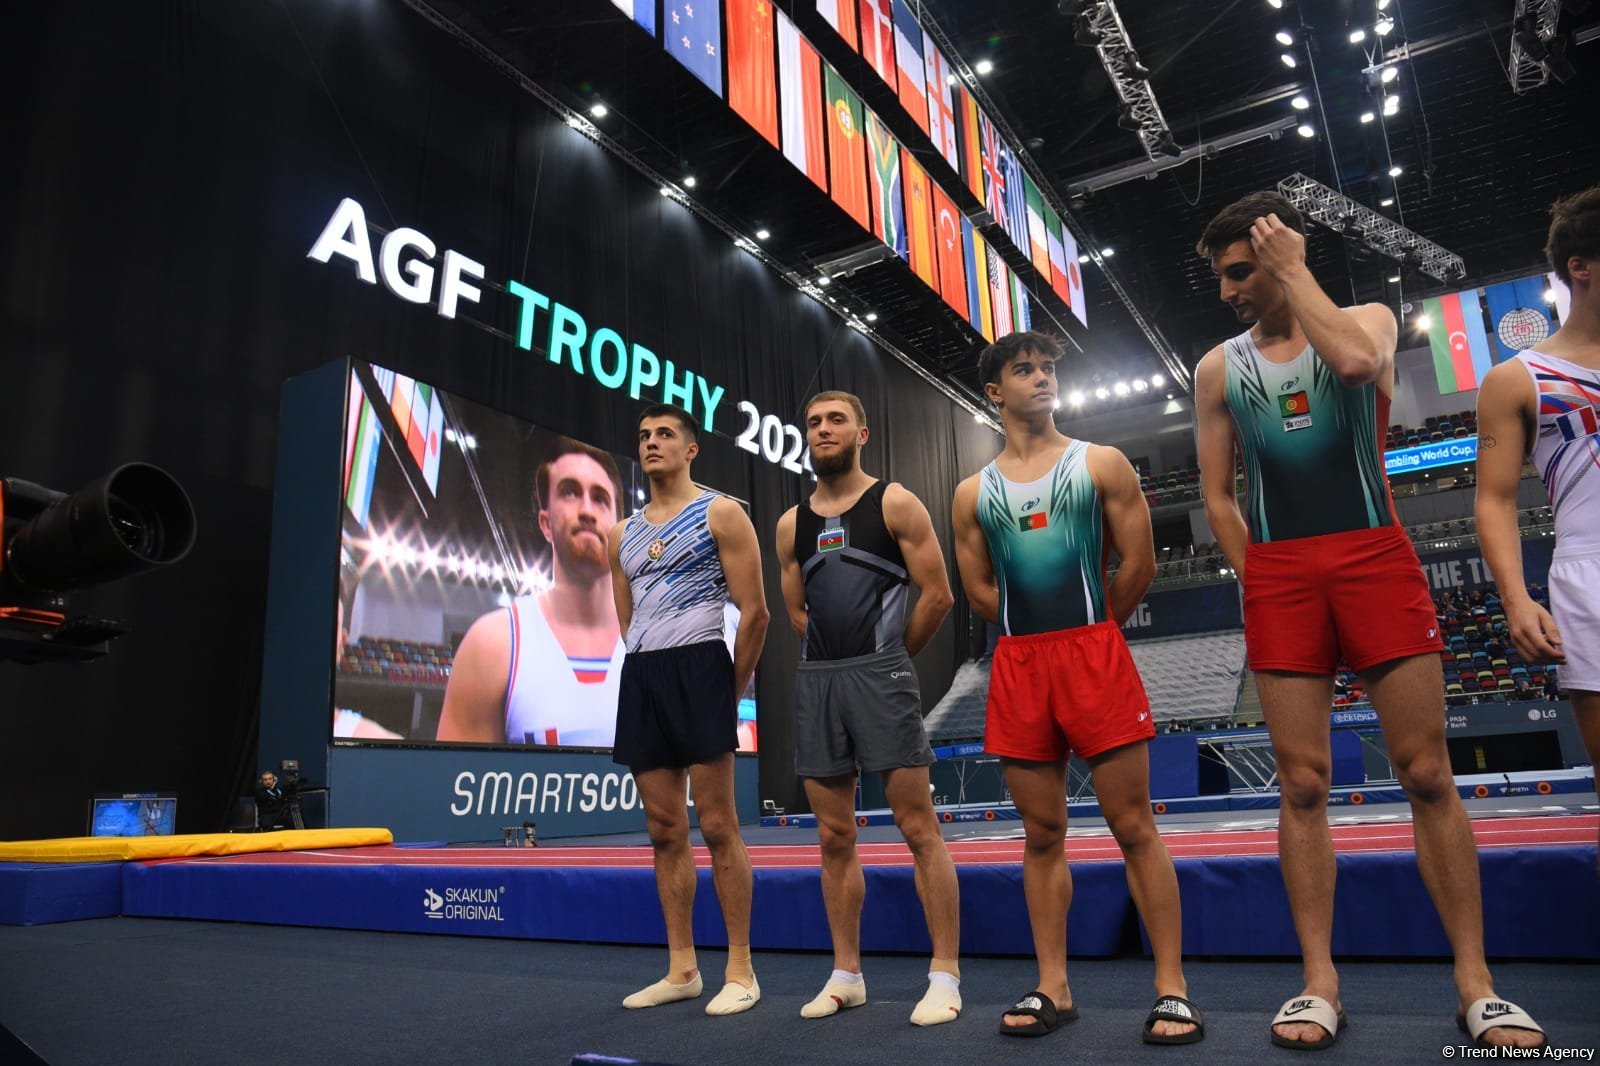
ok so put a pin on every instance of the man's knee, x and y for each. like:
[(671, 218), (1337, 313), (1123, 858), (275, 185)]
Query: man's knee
[(718, 826), (1304, 785), (1132, 827), (1425, 775), (837, 837), (667, 828), (1045, 832), (920, 829)]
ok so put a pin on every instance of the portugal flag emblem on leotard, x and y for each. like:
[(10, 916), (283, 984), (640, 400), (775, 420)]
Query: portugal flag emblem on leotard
[(1296, 403), (1033, 521)]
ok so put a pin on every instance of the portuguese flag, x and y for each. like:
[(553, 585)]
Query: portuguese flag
[(1294, 404), (1033, 521)]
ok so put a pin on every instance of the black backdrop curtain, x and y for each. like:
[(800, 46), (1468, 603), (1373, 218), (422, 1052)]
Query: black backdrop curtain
[(173, 166)]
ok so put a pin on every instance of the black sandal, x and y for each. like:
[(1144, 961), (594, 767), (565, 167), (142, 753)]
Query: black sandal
[(1039, 1007), (1175, 1009)]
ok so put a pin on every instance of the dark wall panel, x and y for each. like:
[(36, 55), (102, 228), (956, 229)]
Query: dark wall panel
[(174, 166)]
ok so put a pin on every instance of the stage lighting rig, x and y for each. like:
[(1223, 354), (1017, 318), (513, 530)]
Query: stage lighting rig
[(134, 519), (1358, 222), (1536, 51), (1099, 26)]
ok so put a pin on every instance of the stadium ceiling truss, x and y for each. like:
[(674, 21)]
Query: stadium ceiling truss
[(1533, 29), (1378, 232), (1129, 77)]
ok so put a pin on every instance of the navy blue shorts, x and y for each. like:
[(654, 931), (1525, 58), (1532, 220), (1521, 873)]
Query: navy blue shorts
[(676, 707)]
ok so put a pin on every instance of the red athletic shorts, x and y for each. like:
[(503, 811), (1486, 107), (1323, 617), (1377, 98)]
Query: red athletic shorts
[(1359, 595), (1069, 691)]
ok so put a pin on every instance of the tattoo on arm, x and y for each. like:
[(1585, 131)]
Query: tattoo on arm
[(1487, 441)]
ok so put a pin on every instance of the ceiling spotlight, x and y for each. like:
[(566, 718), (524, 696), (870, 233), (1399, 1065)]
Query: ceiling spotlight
[(1394, 279), (1391, 105), (1108, 252), (1075, 398), (1284, 37), (1384, 27), (1367, 116), (1156, 381), (666, 190), (1389, 74), (1396, 170), (599, 111), (1083, 259), (1120, 388), (949, 79), (688, 181), (824, 281), (871, 316), (1550, 295), (1127, 120), (1139, 385), (1300, 103), (763, 233), (983, 66), (977, 416), (1424, 322), (1383, 4), (1288, 60), (1387, 201), (1276, 5), (1102, 393), (1307, 130), (1357, 35)]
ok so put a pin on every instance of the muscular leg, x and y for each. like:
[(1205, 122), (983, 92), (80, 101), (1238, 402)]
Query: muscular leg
[(667, 820), (1296, 707), (1122, 787), (712, 783), (912, 803), (1039, 790), (1408, 695), (833, 801)]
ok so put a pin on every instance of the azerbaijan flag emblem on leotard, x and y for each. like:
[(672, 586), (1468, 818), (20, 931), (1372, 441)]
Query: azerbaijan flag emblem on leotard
[(1033, 521), (1294, 404), (830, 540)]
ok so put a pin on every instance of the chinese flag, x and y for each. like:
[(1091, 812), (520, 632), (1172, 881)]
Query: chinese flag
[(752, 91), (847, 148)]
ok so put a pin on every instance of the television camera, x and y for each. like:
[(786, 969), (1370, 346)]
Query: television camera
[(134, 519)]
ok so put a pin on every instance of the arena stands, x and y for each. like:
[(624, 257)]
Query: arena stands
[(404, 661)]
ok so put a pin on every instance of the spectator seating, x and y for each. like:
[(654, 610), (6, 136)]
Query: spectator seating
[(382, 659)]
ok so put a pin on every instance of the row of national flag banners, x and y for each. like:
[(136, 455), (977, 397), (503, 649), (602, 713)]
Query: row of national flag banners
[(779, 84), (1465, 345)]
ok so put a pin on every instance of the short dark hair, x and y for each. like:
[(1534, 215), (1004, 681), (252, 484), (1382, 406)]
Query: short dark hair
[(672, 410), (568, 446), (995, 357), (1233, 222), (1574, 231)]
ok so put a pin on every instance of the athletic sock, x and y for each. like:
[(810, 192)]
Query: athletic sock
[(941, 1003), (844, 989), (735, 998)]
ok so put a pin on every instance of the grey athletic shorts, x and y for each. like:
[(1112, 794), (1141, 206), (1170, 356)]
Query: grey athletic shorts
[(864, 712)]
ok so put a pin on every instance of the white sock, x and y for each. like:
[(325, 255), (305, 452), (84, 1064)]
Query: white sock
[(941, 1003), (843, 990)]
